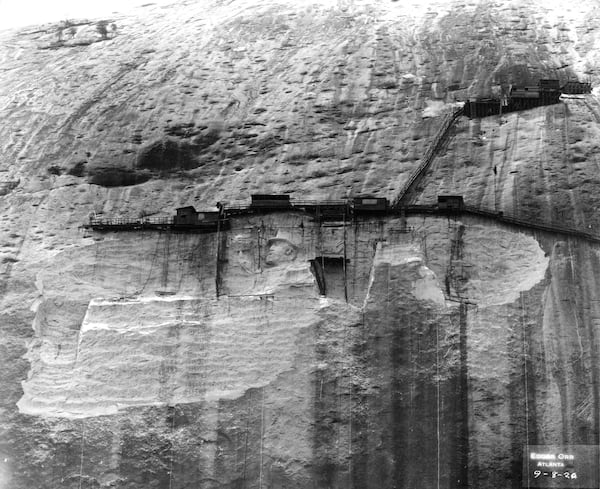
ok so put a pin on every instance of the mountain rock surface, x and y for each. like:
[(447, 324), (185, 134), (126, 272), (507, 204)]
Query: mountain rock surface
[(419, 351)]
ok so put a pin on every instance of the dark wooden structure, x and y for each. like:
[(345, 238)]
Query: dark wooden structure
[(330, 275), (369, 205), (186, 215), (332, 264), (549, 91), (450, 203), (323, 210), (546, 92), (189, 217), (549, 84), (209, 216), (483, 107), (576, 88), (185, 219), (524, 92), (328, 211), (270, 201), (523, 98)]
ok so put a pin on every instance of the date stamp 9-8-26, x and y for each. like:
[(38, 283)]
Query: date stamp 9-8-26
[(551, 466)]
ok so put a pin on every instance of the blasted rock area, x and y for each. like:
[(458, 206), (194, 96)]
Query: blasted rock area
[(439, 350)]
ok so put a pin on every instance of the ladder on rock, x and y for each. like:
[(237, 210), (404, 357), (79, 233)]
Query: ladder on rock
[(434, 148)]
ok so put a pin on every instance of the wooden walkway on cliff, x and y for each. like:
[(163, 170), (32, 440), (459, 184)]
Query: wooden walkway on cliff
[(157, 224), (502, 217), (321, 210), (341, 212)]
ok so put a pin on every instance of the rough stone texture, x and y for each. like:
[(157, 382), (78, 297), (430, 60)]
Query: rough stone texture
[(170, 360)]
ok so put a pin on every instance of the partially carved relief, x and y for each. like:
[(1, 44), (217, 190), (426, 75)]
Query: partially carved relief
[(281, 249), (256, 266)]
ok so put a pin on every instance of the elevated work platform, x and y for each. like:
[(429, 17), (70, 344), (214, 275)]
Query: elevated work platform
[(167, 223), (546, 92), (321, 210), (497, 216), (339, 212), (576, 87)]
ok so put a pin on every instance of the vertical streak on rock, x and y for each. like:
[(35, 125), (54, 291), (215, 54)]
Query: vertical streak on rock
[(416, 430), (590, 293), (582, 284), (326, 416), (238, 442), (81, 453), (260, 236), (339, 412), (353, 260), (523, 379), (115, 446), (146, 449), (345, 263), (429, 415), (373, 465), (462, 452), (165, 260), (495, 396), (221, 247), (571, 345), (509, 443), (580, 356)]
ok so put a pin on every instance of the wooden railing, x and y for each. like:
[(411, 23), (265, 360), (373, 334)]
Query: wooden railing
[(501, 217), (156, 221), (405, 210), (430, 154)]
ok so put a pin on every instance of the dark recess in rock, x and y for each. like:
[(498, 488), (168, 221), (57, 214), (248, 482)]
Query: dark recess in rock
[(182, 130), (204, 140), (117, 177), (171, 155), (78, 169)]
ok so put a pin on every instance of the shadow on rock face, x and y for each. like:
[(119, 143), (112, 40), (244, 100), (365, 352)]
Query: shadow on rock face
[(168, 155), (117, 177), (158, 158)]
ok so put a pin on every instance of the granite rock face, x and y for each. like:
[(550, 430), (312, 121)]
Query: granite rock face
[(381, 352)]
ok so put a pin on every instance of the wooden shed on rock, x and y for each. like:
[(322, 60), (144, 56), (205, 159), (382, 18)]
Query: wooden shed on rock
[(186, 215), (450, 202)]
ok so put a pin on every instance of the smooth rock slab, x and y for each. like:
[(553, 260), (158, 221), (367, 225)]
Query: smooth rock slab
[(168, 351)]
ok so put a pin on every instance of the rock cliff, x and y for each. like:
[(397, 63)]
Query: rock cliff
[(381, 352)]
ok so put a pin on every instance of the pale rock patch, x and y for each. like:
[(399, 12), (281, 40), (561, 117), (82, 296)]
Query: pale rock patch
[(167, 351), (503, 265)]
